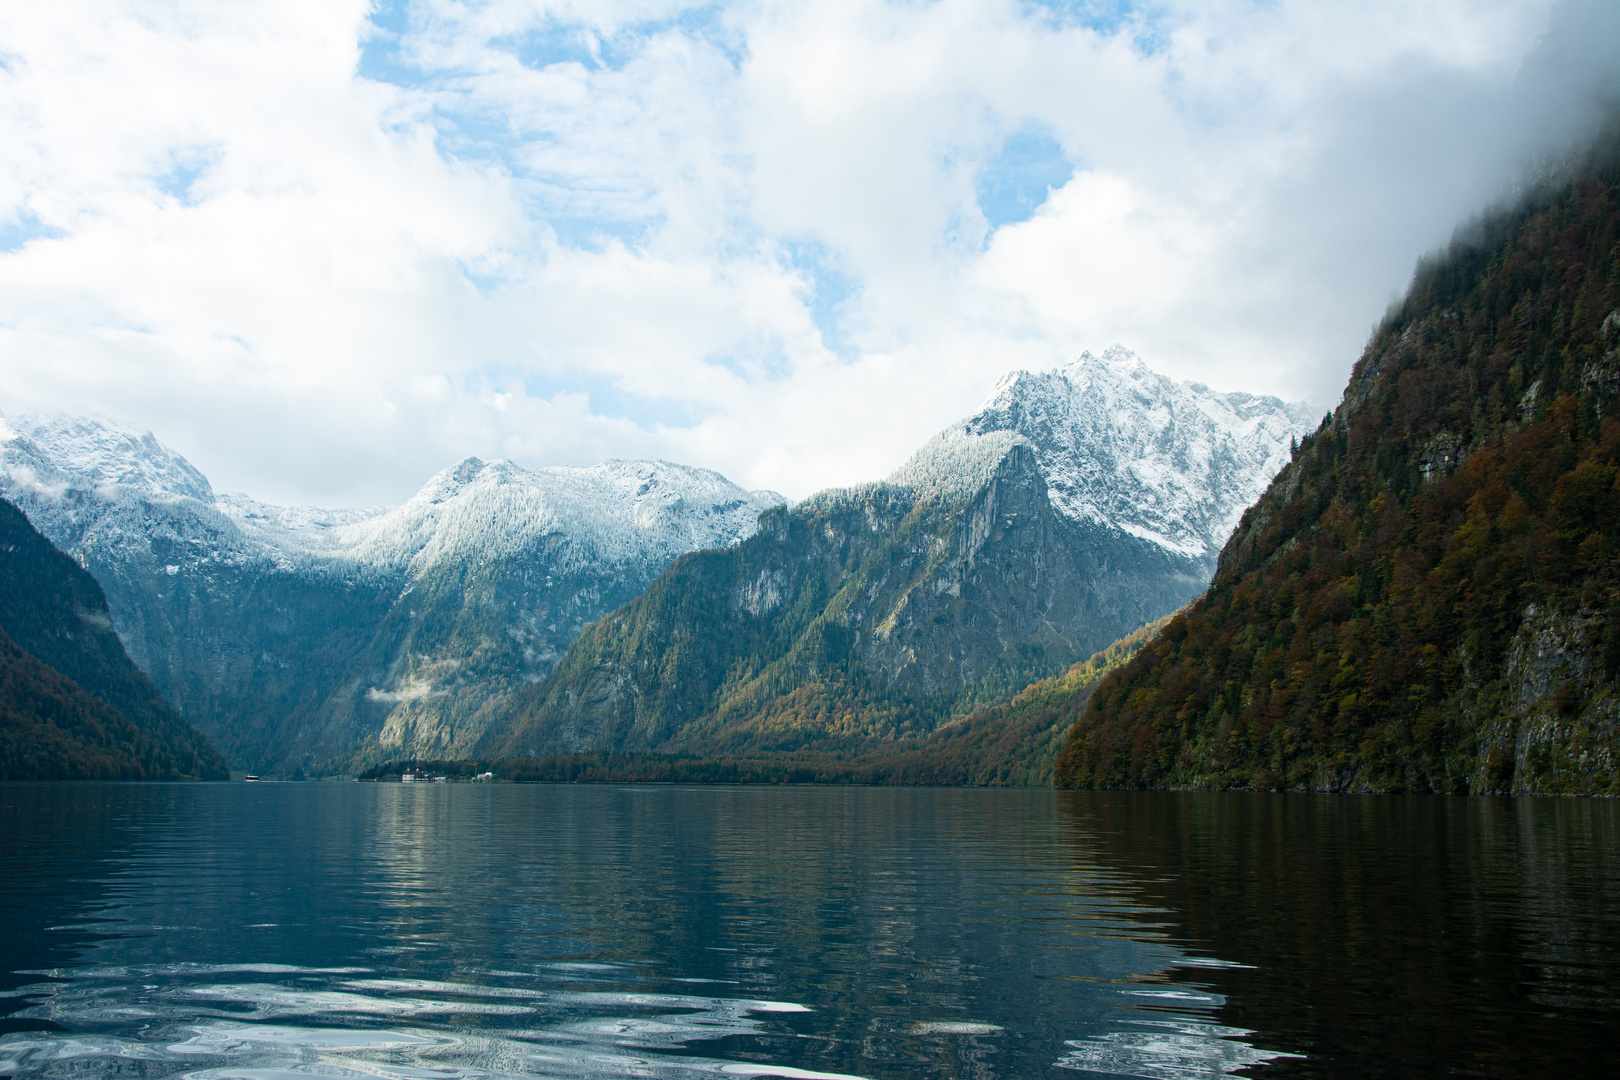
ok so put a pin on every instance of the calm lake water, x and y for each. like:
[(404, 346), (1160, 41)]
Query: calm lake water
[(274, 931)]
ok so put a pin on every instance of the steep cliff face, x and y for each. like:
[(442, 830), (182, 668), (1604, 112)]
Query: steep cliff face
[(1554, 729), (74, 705), (1428, 596), (307, 640), (856, 618)]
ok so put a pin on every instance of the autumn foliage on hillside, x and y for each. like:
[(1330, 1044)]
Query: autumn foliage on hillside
[(1427, 598)]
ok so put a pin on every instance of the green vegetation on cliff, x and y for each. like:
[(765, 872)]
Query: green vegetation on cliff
[(72, 705), (1428, 597), (1009, 745), (852, 627)]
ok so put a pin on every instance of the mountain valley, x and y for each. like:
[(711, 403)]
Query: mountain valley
[(302, 640), (1075, 506)]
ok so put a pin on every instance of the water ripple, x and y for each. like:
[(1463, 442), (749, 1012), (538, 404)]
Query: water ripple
[(248, 1030)]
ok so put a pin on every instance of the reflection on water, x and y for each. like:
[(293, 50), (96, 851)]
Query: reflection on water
[(1385, 936), (576, 931), (487, 931)]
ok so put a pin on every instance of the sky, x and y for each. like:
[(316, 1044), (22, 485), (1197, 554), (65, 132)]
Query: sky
[(327, 248)]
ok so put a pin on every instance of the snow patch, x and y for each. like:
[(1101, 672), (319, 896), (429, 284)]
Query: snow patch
[(78, 475), (957, 463), (1175, 463)]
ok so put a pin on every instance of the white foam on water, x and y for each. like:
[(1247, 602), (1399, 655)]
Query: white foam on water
[(268, 1074), (226, 1038), (954, 1027), (263, 1030), (1170, 1050)]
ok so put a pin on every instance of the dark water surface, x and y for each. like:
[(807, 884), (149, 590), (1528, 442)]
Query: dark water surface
[(274, 931)]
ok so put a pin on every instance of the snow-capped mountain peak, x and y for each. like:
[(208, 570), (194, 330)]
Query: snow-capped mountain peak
[(100, 455), (614, 511), (402, 626), (1120, 444)]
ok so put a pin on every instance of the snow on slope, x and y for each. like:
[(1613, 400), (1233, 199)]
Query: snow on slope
[(65, 451), (618, 511), (1175, 463), (297, 636)]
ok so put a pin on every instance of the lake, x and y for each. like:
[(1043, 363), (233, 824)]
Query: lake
[(279, 931)]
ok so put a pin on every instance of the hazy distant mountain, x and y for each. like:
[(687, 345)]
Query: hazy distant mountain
[(72, 705), (300, 638), (1074, 507)]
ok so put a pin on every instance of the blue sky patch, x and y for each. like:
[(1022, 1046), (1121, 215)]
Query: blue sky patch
[(17, 231), (610, 399), (1012, 185), (380, 59), (186, 165), (831, 290), (1143, 20)]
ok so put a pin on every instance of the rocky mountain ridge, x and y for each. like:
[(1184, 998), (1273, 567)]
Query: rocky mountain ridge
[(872, 614), (298, 637), (1119, 444), (306, 640)]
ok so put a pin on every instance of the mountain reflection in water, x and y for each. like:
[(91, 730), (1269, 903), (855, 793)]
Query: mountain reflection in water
[(235, 931), (1386, 935)]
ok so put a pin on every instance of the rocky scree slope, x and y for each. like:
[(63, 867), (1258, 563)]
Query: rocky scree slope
[(1428, 597), (862, 618), (72, 705), (307, 641)]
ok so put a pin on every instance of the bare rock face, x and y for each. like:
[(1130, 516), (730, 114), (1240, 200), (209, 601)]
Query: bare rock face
[(1556, 721)]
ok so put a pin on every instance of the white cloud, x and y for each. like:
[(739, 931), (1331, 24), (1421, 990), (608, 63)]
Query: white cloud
[(324, 250)]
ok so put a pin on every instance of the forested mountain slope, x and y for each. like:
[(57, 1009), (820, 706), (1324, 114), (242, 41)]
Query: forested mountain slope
[(1026, 538), (1014, 743), (1428, 597), (72, 705)]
